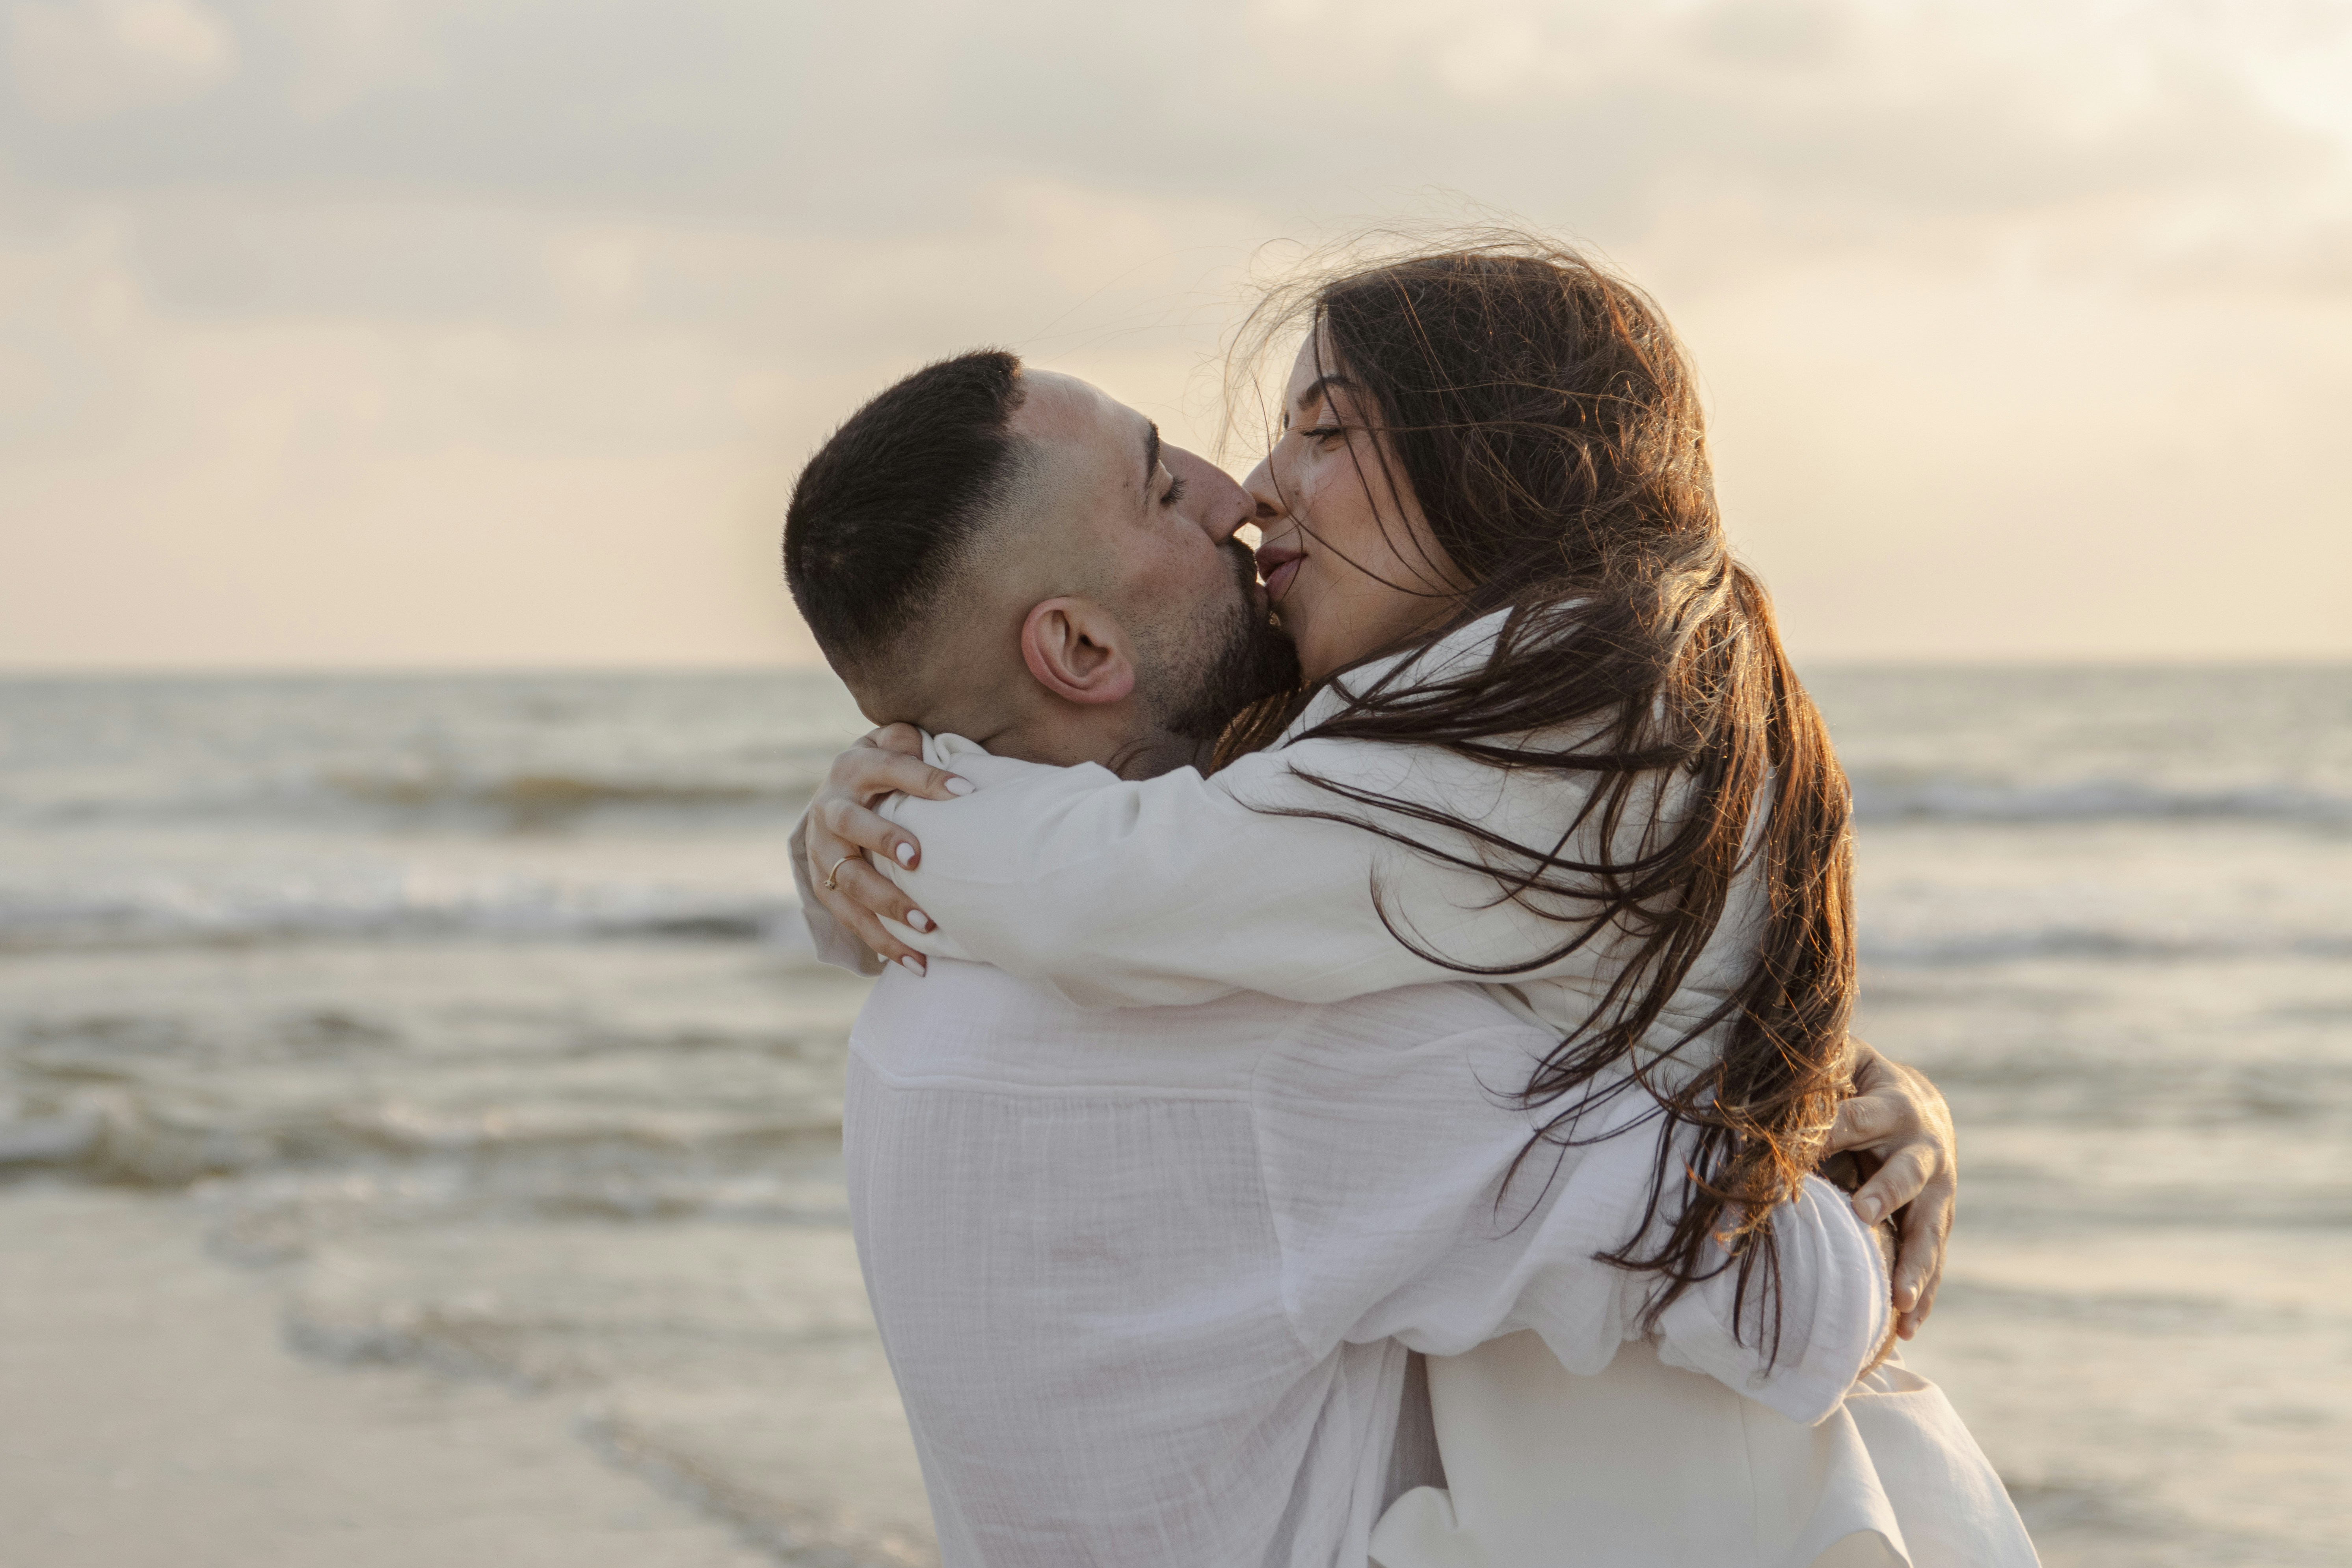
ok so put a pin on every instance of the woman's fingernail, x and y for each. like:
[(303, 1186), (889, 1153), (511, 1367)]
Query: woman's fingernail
[(906, 853), (1868, 1209), (913, 962), (960, 786), (918, 920)]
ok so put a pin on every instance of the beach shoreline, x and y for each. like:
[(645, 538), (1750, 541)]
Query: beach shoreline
[(161, 1419)]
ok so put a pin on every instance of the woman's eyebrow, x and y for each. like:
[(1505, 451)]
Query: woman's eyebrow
[(1318, 386)]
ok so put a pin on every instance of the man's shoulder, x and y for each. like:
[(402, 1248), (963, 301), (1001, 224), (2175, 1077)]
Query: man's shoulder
[(1002, 783), (984, 767), (973, 1025)]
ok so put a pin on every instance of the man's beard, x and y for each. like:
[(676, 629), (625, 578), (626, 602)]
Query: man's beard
[(1249, 658)]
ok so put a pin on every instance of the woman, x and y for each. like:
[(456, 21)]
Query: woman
[(1550, 743)]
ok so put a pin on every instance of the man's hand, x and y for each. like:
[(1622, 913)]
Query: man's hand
[(842, 827), (1897, 1121)]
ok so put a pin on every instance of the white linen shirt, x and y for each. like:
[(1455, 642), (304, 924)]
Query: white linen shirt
[(1149, 892), (1147, 1276)]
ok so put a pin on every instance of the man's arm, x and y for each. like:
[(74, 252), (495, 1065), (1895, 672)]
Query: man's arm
[(1897, 1121)]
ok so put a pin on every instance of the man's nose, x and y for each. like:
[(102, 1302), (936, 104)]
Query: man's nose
[(1222, 506)]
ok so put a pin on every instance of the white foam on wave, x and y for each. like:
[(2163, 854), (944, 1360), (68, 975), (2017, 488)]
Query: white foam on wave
[(477, 753), (248, 901), (2065, 940), (1960, 799)]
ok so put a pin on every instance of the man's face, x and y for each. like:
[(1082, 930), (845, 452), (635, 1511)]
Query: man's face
[(1151, 530)]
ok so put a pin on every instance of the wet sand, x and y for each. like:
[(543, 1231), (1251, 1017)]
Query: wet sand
[(155, 1417)]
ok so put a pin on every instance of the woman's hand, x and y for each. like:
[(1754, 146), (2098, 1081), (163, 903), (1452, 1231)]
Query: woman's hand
[(843, 829), (1899, 1119)]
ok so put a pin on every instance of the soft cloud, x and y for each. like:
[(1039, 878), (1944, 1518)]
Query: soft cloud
[(1841, 124), (97, 59), (414, 433), (339, 53), (528, 310)]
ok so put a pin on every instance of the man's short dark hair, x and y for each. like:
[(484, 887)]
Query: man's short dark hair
[(881, 514)]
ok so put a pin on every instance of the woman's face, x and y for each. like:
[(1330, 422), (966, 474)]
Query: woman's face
[(1348, 558)]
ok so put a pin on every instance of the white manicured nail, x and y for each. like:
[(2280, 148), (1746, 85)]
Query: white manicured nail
[(913, 963), (906, 853), (960, 786), (918, 920)]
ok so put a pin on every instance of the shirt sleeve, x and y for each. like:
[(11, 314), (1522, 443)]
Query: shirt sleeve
[(1182, 888), (1387, 1148)]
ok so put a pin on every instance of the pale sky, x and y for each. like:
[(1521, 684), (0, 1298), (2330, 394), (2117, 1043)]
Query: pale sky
[(458, 332)]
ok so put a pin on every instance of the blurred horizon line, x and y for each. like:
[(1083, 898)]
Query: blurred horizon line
[(28, 675)]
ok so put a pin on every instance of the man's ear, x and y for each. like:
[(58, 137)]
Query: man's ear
[(1077, 650)]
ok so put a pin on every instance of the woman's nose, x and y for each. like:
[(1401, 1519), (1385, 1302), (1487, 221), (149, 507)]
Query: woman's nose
[(1266, 494)]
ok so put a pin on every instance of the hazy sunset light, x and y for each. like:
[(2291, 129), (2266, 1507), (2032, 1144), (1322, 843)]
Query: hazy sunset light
[(347, 333)]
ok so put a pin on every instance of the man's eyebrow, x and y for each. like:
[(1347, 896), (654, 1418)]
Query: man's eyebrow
[(1150, 454)]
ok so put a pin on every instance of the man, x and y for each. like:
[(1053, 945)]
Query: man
[(1148, 1278)]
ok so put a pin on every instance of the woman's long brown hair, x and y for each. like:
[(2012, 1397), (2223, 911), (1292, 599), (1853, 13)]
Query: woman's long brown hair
[(1544, 416)]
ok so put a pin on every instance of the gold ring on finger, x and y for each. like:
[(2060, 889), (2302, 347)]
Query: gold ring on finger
[(830, 885)]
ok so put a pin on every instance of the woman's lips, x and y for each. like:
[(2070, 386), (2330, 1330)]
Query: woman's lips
[(1280, 567)]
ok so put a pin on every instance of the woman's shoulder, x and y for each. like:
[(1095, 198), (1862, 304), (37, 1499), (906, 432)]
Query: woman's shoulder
[(1449, 657)]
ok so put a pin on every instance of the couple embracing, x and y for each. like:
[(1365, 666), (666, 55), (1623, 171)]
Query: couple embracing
[(1364, 1030)]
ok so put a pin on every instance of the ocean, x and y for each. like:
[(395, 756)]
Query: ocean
[(470, 1019)]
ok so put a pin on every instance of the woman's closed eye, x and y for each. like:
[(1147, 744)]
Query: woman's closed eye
[(1324, 433)]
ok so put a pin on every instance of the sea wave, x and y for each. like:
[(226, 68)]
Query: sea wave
[(533, 799), (524, 800), (206, 751), (389, 1160), (394, 902), (1889, 797), (2118, 944)]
